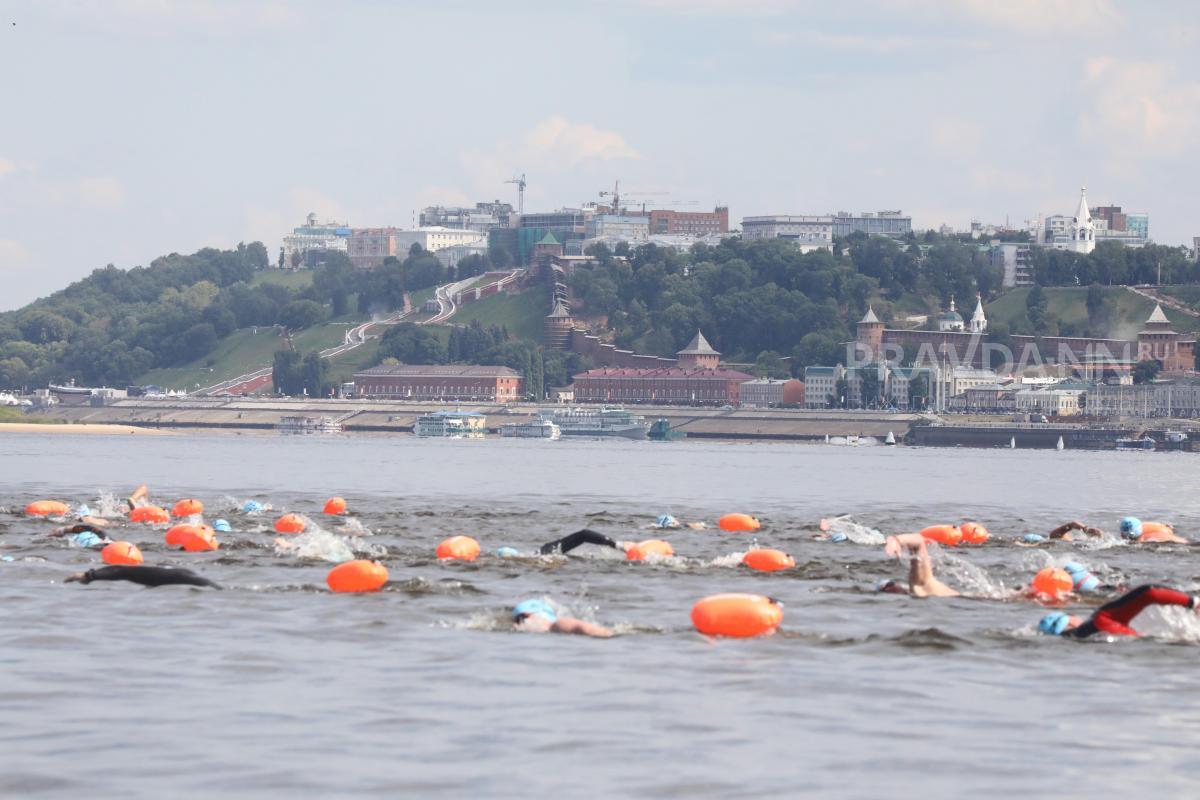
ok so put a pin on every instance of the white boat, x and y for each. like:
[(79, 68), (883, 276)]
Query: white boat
[(891, 439), (302, 424), (854, 441), (1144, 443), (450, 425), (532, 429), (1060, 444), (598, 422)]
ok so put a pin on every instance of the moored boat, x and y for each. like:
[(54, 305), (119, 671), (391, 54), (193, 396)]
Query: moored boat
[(532, 429), (598, 422)]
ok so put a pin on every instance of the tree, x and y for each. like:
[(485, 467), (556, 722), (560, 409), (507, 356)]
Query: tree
[(842, 391), (300, 314), (918, 391), (1146, 370), (287, 373), (412, 344), (313, 372), (870, 387), (770, 364)]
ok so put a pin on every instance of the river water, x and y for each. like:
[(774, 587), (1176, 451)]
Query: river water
[(277, 688)]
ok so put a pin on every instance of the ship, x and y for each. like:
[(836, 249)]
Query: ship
[(661, 431), (532, 429), (1144, 443), (450, 425), (598, 422), (302, 424)]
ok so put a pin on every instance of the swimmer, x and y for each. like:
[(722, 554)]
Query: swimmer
[(536, 616), (578, 538), (83, 534), (1063, 532), (1114, 617), (140, 497), (844, 528), (1133, 530), (146, 576), (921, 582)]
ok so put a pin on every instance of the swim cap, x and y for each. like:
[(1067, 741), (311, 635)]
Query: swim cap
[(1033, 538), (667, 521), (1054, 623), (250, 506), (86, 539), (507, 552), (1074, 567), (838, 536), (1084, 580), (884, 585), (84, 511), (222, 525), (534, 606), (1131, 528)]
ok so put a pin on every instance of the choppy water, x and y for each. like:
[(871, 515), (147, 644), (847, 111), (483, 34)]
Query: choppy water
[(277, 688)]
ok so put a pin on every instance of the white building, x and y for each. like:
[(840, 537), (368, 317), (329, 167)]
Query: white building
[(313, 235), (761, 392), (450, 256), (1076, 234), (978, 319), (618, 227), (1052, 402), (1014, 259), (951, 321), (810, 233)]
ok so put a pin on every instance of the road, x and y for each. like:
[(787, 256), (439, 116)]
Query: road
[(445, 300), (1169, 302)]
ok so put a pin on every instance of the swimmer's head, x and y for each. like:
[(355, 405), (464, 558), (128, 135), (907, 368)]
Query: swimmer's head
[(222, 525), (666, 521), (1033, 538), (891, 587), (84, 511), (1056, 623), (527, 608), (507, 552), (1131, 528), (1084, 581), (250, 506), (86, 539), (838, 536)]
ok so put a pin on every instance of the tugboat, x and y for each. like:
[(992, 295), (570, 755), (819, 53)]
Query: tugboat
[(661, 431), (1144, 443)]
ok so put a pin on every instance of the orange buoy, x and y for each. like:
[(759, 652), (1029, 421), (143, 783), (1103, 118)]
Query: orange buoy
[(290, 523), (1053, 583), (193, 538), (650, 547), (357, 576), (149, 514), (974, 533), (188, 507), (943, 534), (768, 560), (462, 548), (47, 508), (121, 553), (737, 615), (335, 505), (738, 523)]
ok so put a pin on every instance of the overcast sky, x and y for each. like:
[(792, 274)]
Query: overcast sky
[(134, 128)]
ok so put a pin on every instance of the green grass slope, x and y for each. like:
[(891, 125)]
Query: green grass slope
[(1069, 304), (521, 314)]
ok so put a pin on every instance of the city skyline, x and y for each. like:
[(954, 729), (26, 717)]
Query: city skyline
[(144, 128)]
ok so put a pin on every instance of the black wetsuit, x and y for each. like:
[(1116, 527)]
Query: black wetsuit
[(147, 576), (83, 527), (571, 541), (1114, 616)]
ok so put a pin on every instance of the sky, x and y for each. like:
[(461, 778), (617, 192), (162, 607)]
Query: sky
[(134, 128)]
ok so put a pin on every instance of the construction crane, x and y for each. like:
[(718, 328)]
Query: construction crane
[(615, 194), (520, 182)]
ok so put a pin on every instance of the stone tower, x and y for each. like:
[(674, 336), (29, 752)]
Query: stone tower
[(870, 335), (556, 328), (698, 354)]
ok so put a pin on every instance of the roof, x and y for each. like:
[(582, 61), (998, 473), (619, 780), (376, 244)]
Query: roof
[(549, 239), (1157, 315), (559, 310), (951, 315), (819, 371), (699, 346), (643, 373), (437, 371), (869, 317)]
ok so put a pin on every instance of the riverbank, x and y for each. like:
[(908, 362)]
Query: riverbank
[(100, 429)]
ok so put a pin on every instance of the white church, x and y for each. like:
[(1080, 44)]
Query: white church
[(1076, 234)]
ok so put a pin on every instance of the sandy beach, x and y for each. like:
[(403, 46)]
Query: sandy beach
[(78, 429)]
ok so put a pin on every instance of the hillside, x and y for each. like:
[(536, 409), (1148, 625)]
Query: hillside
[(1068, 306)]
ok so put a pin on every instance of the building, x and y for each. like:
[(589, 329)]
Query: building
[(699, 354), (1090, 226), (1196, 248), (951, 320), (483, 217), (1159, 342), (568, 225), (1179, 398), (881, 223), (314, 237), (1051, 402), (556, 327), (369, 247), (691, 223), (821, 386), (1016, 261), (810, 233), (893, 386), (772, 392), (618, 228), (450, 383)]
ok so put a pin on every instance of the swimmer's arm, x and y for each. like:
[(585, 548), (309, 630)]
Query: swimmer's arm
[(81, 527), (894, 545), (577, 539), (1065, 528), (578, 626)]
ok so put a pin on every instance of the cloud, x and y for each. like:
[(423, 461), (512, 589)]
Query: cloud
[(13, 255), (955, 136), (1140, 109), (554, 144), (1041, 18)]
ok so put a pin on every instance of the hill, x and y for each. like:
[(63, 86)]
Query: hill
[(1067, 311)]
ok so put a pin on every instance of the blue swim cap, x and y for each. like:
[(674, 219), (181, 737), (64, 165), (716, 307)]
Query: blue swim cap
[(534, 606), (1087, 583), (84, 511), (507, 552), (1054, 623), (86, 539), (222, 525), (1074, 567), (666, 521), (1033, 538), (838, 536), (1131, 528), (250, 506)]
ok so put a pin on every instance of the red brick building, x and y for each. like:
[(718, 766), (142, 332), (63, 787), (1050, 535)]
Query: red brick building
[(452, 383), (694, 223)]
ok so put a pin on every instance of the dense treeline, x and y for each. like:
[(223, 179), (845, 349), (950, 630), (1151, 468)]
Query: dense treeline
[(1113, 264)]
